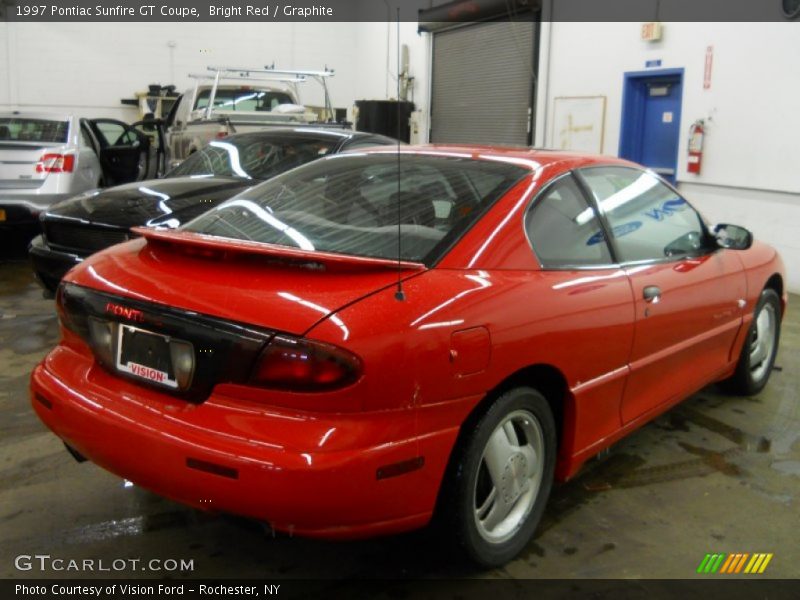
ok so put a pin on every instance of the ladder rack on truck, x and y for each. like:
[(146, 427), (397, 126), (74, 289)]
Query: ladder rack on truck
[(253, 99), (268, 74)]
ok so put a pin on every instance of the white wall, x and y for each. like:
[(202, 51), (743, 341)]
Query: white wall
[(750, 172), (5, 67), (377, 65), (89, 67)]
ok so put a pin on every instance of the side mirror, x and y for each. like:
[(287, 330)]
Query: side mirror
[(732, 237)]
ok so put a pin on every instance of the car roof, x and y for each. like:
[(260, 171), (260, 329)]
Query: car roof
[(319, 133), (11, 114), (529, 158), (312, 133)]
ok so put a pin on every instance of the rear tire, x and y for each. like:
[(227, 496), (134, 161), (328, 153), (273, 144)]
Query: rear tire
[(760, 348), (501, 476)]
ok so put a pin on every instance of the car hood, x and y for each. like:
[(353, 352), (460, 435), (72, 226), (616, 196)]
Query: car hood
[(169, 202)]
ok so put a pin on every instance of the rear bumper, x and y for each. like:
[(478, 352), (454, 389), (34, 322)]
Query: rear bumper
[(310, 474), (50, 265)]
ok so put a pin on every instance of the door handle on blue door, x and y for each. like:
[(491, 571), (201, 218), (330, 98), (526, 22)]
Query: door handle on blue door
[(652, 294)]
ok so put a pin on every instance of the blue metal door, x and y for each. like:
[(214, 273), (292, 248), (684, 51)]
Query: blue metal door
[(651, 116)]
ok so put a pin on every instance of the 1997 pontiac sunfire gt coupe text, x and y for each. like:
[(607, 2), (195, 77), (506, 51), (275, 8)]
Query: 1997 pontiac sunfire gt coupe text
[(262, 359)]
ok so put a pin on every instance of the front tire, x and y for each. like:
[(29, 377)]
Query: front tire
[(502, 476), (760, 348)]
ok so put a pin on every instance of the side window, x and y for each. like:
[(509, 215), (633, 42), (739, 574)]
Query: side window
[(129, 137), (116, 134), (364, 143), (564, 230), (648, 220)]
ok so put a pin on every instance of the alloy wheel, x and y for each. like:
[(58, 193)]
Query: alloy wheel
[(762, 342), (509, 477)]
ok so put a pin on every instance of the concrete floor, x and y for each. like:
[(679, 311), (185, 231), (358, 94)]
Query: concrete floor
[(716, 474)]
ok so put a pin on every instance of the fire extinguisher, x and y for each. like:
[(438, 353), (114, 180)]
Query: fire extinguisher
[(695, 158)]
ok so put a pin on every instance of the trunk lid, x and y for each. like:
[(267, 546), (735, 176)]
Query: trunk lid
[(150, 202), (18, 164), (273, 287)]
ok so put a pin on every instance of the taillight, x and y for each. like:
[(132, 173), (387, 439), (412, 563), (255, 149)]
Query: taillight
[(305, 365), (222, 134), (102, 340), (63, 316), (56, 163)]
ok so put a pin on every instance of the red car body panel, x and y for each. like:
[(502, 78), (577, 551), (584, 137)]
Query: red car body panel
[(231, 288), (313, 474), (486, 314)]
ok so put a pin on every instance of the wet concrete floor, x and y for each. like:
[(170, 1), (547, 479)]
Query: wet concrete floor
[(715, 474)]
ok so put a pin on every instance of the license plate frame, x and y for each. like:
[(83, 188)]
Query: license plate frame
[(138, 369)]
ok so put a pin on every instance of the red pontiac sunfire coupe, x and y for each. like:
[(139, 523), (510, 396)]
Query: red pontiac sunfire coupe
[(343, 350)]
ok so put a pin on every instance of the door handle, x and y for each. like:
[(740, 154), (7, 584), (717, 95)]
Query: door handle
[(652, 294)]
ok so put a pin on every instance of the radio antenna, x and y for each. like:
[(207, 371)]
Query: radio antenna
[(399, 295)]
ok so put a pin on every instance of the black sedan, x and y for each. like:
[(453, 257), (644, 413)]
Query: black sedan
[(84, 224)]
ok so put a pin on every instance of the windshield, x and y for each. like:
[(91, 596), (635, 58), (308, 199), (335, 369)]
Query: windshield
[(19, 129), (253, 157), (351, 204)]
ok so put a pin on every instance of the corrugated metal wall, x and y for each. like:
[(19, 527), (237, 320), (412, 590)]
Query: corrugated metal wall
[(483, 77)]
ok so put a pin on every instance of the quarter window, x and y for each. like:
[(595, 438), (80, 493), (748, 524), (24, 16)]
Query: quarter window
[(648, 220), (564, 230)]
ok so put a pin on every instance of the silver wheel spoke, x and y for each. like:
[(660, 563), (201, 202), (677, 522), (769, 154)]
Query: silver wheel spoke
[(498, 512), (762, 345), (532, 461), (511, 434), (498, 452), (487, 504), (764, 320), (758, 355)]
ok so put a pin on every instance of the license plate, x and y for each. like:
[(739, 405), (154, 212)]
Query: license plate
[(145, 355), (2, 214)]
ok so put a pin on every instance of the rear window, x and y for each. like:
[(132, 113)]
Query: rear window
[(243, 99), (353, 204), (253, 157), (19, 129)]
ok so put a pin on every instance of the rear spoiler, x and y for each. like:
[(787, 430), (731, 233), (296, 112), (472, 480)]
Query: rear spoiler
[(218, 247)]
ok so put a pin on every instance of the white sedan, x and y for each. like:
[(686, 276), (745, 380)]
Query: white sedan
[(45, 158)]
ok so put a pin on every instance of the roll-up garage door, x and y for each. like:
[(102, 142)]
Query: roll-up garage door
[(483, 82)]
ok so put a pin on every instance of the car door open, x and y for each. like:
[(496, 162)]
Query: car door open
[(153, 130), (124, 152)]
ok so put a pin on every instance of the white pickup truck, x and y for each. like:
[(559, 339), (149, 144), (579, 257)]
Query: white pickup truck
[(232, 100)]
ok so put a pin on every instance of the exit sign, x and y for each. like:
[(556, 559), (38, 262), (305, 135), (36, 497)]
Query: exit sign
[(651, 32)]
